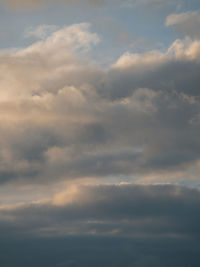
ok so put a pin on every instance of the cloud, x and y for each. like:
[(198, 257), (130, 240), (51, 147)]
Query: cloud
[(162, 211), (157, 70), (40, 32), (179, 50), (66, 122), (64, 118), (187, 23), (114, 225), (180, 18)]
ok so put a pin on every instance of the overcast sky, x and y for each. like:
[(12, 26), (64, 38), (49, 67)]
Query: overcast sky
[(100, 126)]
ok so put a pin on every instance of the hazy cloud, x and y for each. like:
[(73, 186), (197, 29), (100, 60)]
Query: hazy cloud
[(187, 23), (163, 211), (40, 32)]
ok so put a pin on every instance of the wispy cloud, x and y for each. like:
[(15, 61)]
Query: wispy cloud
[(40, 32), (187, 23)]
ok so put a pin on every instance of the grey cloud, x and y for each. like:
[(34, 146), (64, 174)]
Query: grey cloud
[(163, 211), (168, 76), (126, 140), (90, 251), (75, 120), (112, 225)]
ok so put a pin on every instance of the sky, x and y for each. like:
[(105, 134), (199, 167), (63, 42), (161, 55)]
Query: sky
[(100, 126)]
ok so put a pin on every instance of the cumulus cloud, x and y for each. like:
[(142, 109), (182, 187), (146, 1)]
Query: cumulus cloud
[(157, 70), (179, 50), (66, 123), (64, 118)]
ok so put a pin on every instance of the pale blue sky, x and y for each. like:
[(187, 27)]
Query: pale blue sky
[(133, 26)]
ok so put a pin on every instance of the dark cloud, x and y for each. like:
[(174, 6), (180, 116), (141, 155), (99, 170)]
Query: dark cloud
[(90, 251), (146, 225), (125, 210), (168, 77)]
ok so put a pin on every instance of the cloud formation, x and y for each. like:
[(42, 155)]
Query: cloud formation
[(187, 23), (113, 225), (40, 32), (162, 211), (65, 118), (100, 166)]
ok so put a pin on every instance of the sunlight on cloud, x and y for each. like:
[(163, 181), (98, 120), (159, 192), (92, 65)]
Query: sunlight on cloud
[(187, 49), (187, 17), (65, 118), (187, 23), (99, 163)]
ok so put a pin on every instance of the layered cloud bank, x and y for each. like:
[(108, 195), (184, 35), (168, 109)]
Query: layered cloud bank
[(63, 117), (92, 155), (137, 211), (86, 225)]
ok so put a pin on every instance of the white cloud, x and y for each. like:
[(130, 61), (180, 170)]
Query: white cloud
[(187, 49), (190, 16), (40, 32), (187, 23), (46, 62)]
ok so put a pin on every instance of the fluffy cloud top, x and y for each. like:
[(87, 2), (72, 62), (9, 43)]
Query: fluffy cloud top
[(62, 117)]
